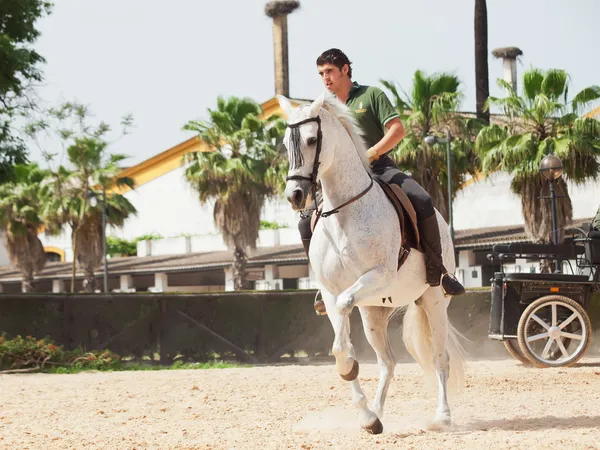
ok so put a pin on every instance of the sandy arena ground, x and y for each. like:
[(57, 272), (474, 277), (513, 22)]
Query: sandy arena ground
[(505, 405)]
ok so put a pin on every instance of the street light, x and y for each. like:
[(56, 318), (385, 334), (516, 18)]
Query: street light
[(551, 168), (432, 140), (93, 203)]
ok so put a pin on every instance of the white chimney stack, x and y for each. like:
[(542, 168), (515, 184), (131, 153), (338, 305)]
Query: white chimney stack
[(509, 57), (278, 10)]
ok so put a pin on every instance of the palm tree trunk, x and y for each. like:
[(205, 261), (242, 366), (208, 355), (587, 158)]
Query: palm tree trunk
[(482, 87), (27, 282), (240, 261), (537, 213), (89, 282), (74, 264)]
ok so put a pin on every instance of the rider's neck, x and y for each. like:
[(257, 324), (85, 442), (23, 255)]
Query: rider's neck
[(344, 90)]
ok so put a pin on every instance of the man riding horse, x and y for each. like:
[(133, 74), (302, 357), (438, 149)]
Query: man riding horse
[(382, 131)]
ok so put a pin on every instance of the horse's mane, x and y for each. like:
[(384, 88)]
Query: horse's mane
[(342, 113)]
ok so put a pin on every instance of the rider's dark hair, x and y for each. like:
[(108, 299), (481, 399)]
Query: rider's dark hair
[(336, 57)]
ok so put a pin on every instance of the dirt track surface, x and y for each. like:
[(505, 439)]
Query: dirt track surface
[(505, 405)]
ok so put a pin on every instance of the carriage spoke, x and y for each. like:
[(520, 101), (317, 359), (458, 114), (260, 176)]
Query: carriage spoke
[(537, 337), (547, 348), (571, 335), (540, 321), (568, 321), (562, 348), (554, 315)]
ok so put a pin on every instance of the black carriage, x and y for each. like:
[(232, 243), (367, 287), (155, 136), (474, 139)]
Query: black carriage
[(542, 317)]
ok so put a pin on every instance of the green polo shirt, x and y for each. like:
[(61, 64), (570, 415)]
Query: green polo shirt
[(372, 110)]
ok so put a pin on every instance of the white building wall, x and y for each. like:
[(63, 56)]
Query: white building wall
[(488, 203), (4, 261), (168, 206)]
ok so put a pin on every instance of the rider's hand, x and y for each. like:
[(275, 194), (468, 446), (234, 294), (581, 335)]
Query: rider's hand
[(372, 154)]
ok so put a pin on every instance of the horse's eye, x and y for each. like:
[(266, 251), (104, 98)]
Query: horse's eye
[(311, 141)]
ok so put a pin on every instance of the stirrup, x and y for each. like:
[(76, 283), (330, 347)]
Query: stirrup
[(452, 287), (319, 305)]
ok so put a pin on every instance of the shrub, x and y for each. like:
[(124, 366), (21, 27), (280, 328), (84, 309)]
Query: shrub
[(31, 353)]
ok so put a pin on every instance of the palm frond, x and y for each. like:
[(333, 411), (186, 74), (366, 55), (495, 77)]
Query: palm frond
[(584, 98), (554, 83)]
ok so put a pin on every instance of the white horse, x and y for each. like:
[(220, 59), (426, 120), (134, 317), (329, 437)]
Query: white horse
[(354, 256)]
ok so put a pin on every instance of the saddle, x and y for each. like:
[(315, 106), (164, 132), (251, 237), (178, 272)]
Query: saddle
[(406, 214)]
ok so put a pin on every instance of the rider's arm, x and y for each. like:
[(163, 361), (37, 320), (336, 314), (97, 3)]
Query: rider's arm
[(388, 117), (394, 135)]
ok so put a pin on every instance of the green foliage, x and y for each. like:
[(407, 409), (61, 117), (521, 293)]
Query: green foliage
[(269, 225), (20, 68), (93, 172), (120, 246), (28, 352), (149, 237), (541, 121), (431, 108), (243, 168), (21, 202)]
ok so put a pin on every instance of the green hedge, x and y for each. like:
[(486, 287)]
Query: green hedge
[(265, 325)]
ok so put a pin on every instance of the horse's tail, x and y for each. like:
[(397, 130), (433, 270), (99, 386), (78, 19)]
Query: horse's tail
[(416, 335)]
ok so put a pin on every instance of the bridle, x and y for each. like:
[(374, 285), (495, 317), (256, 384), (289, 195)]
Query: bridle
[(313, 175)]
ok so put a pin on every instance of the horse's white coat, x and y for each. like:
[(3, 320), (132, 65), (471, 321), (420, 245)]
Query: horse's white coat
[(354, 256)]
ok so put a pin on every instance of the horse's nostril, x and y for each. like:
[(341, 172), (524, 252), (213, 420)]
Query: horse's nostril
[(297, 196)]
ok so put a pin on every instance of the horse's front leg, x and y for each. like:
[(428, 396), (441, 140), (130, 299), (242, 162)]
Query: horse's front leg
[(368, 285), (342, 348), (347, 365)]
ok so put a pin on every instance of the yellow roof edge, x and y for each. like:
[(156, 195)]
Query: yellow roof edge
[(150, 168)]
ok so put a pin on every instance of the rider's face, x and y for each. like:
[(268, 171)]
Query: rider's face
[(332, 76)]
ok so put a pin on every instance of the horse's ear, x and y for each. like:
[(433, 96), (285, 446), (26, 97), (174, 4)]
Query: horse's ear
[(286, 105), (315, 107)]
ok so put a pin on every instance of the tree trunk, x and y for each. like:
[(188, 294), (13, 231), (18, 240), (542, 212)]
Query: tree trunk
[(239, 269), (89, 281), (74, 264), (537, 212), (482, 88), (27, 283)]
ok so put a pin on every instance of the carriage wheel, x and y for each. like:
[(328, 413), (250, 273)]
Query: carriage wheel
[(512, 347), (554, 331)]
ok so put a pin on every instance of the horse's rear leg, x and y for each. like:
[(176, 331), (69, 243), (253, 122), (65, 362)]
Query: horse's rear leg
[(435, 307), (375, 321)]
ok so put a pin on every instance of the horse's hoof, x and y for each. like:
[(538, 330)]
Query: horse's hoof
[(351, 376), (375, 428), (439, 424)]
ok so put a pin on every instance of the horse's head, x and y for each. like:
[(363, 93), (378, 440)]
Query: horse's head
[(305, 146)]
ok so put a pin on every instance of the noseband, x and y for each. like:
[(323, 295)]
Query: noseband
[(313, 175)]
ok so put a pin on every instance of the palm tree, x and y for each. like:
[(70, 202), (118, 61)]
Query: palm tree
[(20, 220), (482, 83), (430, 108), (242, 170), (539, 122), (69, 190), (94, 172)]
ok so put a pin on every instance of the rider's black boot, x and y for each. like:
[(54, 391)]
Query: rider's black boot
[(434, 268)]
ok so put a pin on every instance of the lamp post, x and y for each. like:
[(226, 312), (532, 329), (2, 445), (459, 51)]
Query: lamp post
[(551, 168), (94, 202), (431, 140)]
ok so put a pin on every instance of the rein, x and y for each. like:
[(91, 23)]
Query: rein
[(313, 175)]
